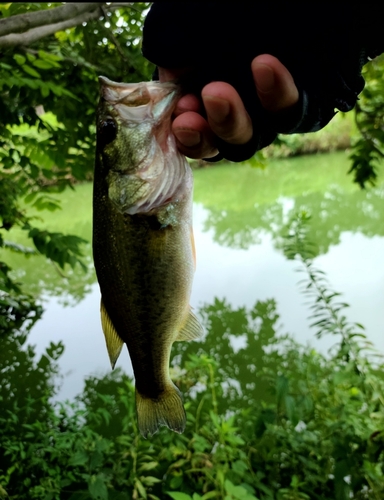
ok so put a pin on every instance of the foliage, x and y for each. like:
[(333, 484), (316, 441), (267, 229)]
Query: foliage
[(18, 311), (266, 418), (48, 96), (369, 148), (335, 136)]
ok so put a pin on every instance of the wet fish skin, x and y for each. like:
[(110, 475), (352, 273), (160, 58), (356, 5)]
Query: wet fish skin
[(143, 242)]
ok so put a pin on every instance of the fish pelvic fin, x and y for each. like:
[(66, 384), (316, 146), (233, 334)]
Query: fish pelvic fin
[(192, 329), (112, 339), (166, 410)]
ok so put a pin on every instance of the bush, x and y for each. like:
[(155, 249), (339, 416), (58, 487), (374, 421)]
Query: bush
[(334, 137), (266, 420)]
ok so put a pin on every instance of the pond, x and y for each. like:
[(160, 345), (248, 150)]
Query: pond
[(240, 218)]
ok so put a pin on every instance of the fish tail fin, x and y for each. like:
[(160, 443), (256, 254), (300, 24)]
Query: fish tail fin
[(166, 410)]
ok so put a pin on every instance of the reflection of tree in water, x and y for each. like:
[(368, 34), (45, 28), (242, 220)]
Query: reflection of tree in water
[(26, 383), (333, 213), (241, 229), (40, 276), (243, 344), (236, 223)]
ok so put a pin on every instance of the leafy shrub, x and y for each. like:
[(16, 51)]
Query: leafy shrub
[(335, 136), (268, 420)]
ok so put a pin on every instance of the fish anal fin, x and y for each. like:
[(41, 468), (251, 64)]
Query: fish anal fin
[(166, 410), (112, 339), (192, 329)]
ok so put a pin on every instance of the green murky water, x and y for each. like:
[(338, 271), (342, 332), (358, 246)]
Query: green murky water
[(240, 217)]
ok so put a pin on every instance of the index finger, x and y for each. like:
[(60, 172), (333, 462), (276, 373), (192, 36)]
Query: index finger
[(188, 102)]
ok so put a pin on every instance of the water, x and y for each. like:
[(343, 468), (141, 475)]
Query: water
[(239, 220)]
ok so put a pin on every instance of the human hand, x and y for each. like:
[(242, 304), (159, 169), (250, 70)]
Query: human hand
[(226, 116)]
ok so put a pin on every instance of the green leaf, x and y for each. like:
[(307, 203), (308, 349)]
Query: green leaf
[(96, 459), (30, 57), (44, 91), (5, 65), (210, 494), (28, 69), (3, 493), (177, 495), (97, 487), (43, 64), (19, 59), (30, 197), (148, 466), (46, 202), (238, 492), (140, 487), (81, 457), (176, 481), (149, 480), (60, 248), (48, 56)]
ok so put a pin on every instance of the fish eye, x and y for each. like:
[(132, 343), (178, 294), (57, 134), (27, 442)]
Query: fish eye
[(107, 131)]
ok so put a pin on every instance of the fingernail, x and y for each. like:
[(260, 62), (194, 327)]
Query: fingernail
[(187, 137), (218, 109), (264, 77)]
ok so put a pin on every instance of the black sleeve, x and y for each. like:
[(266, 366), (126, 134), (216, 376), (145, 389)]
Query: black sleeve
[(323, 46)]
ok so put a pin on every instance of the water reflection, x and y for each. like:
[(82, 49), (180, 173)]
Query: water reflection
[(239, 221), (333, 212), (241, 277), (241, 207), (44, 279), (243, 343)]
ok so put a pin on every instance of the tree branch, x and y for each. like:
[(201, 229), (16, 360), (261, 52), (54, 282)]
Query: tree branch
[(29, 20), (124, 5), (31, 36)]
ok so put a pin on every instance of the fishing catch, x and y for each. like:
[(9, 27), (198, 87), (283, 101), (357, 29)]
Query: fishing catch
[(143, 244)]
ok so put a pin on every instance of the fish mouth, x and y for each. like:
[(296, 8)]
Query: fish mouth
[(154, 96), (138, 102)]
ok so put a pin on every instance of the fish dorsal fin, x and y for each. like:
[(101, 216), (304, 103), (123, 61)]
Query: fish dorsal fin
[(112, 339), (192, 329)]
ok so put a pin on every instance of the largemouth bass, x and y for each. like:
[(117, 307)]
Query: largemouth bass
[(143, 242)]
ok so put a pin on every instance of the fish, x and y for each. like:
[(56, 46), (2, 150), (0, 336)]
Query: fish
[(143, 245)]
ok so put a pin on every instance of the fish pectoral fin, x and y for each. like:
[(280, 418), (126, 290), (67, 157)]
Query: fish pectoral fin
[(192, 329), (166, 410), (112, 339)]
